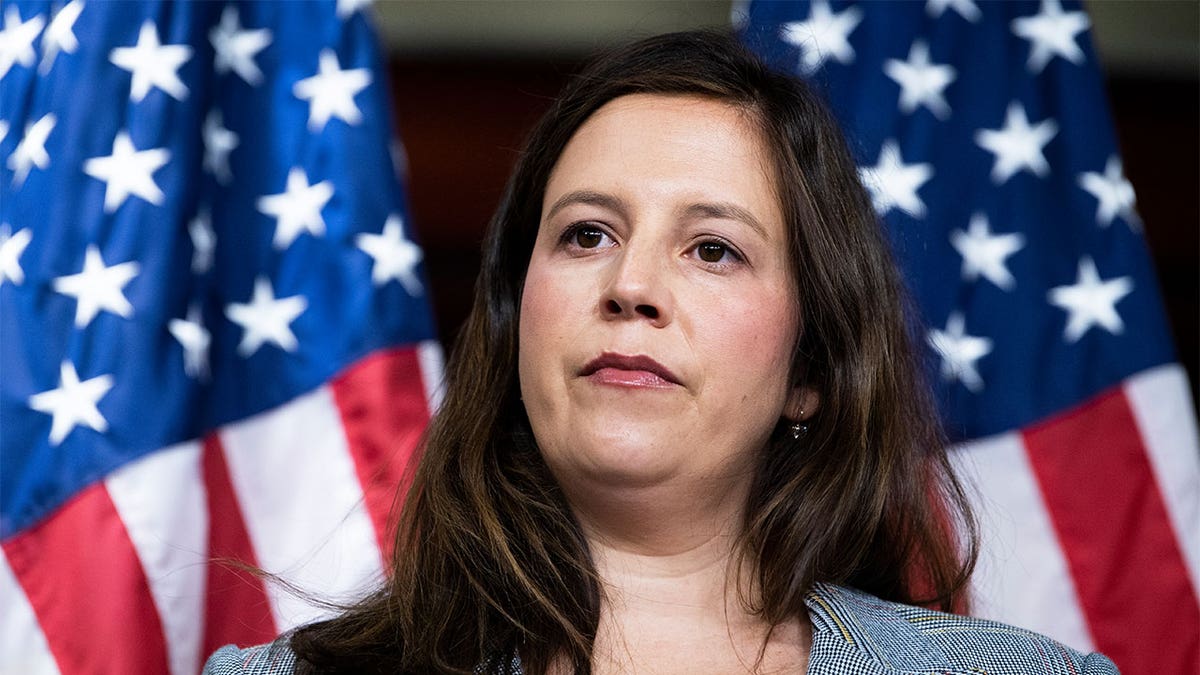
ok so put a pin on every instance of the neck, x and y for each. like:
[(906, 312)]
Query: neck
[(666, 547), (687, 576), (666, 561)]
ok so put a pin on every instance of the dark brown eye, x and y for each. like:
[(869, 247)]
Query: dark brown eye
[(712, 252), (588, 237)]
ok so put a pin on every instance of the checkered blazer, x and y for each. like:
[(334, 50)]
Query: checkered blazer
[(852, 634)]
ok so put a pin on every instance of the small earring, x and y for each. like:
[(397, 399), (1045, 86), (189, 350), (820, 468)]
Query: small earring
[(798, 428)]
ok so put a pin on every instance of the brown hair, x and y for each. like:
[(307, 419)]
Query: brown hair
[(489, 561)]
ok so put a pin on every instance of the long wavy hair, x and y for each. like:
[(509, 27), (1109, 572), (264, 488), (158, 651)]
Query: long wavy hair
[(489, 561)]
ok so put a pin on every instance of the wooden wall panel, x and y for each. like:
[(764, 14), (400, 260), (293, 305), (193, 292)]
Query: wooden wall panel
[(463, 123)]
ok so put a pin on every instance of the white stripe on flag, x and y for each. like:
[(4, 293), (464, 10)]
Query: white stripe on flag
[(1022, 576), (1161, 403), (161, 500), (23, 647), (433, 372), (303, 505)]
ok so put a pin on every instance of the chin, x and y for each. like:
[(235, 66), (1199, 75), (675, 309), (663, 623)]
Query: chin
[(618, 460)]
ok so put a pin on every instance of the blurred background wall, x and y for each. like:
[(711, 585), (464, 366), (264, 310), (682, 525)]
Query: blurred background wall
[(471, 77)]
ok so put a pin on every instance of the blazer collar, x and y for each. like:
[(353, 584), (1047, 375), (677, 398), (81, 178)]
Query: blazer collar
[(853, 629)]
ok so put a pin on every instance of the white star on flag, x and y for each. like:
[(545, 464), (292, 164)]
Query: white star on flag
[(204, 241), (73, 403), (921, 82), (960, 352), (297, 209), (11, 248), (236, 48), (1091, 301), (195, 339), (1051, 33), (394, 256), (128, 171), (823, 35), (1113, 191), (31, 151), (3, 129), (984, 253), (1017, 145), (266, 319), (330, 93), (347, 7), (218, 143), (16, 40), (894, 184), (60, 35), (98, 287), (152, 64), (967, 9)]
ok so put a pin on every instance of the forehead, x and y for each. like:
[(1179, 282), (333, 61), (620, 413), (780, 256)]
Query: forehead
[(665, 148)]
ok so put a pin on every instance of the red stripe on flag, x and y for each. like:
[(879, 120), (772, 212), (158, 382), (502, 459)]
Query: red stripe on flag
[(1108, 513), (236, 609), (382, 405), (86, 585)]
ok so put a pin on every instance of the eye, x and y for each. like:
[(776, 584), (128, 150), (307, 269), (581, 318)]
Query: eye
[(588, 237), (711, 251), (585, 236), (717, 252)]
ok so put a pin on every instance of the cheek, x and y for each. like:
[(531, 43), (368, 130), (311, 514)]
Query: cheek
[(537, 299), (753, 335), (540, 326)]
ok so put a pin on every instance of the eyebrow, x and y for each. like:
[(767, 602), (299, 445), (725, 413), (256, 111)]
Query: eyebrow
[(592, 197), (727, 211), (723, 210)]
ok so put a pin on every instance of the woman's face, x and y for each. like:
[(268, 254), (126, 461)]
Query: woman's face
[(659, 312)]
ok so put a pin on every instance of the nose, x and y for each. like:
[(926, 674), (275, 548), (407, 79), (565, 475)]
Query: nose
[(637, 288)]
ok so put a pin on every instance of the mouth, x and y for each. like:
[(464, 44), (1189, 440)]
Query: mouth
[(629, 371)]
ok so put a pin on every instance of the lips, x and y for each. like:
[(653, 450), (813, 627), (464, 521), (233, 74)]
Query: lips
[(636, 371)]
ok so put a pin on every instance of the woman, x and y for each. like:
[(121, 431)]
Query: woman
[(685, 418)]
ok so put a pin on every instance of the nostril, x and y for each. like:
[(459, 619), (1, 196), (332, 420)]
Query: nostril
[(613, 307), (648, 311)]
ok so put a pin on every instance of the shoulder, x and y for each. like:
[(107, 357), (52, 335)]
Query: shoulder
[(275, 658), (852, 627)]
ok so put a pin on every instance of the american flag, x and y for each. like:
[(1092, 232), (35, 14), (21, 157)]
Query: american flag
[(983, 134), (216, 339)]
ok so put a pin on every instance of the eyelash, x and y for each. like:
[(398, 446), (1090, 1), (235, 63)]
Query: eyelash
[(570, 234), (730, 251)]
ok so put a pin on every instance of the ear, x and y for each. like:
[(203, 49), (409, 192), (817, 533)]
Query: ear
[(802, 403)]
